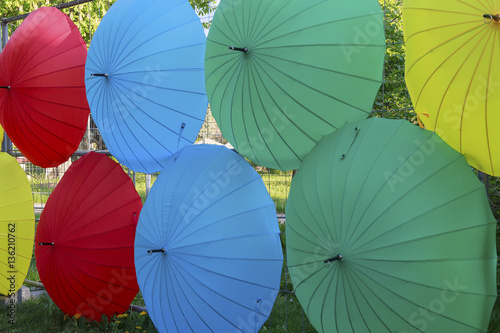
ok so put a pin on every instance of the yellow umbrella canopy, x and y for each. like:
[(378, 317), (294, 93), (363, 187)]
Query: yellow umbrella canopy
[(452, 74), (17, 225)]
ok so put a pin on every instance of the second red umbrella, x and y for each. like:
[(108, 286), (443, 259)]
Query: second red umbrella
[(43, 105), (84, 243)]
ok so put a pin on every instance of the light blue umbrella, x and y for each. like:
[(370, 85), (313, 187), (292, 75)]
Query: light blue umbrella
[(145, 80), (207, 249)]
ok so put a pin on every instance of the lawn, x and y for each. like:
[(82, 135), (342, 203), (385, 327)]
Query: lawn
[(42, 315)]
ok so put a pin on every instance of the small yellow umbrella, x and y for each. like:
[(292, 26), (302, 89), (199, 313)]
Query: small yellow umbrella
[(17, 225), (452, 74)]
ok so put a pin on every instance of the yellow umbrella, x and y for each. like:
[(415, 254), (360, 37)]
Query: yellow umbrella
[(452, 74), (17, 225)]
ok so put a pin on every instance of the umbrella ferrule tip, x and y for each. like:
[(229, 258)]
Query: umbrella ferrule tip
[(98, 74), (339, 257), (489, 17), (241, 49)]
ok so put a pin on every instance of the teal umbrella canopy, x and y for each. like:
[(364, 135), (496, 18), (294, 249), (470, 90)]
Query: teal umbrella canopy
[(282, 74), (207, 249), (389, 230)]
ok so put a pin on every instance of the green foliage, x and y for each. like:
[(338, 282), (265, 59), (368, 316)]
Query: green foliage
[(393, 100), (86, 16)]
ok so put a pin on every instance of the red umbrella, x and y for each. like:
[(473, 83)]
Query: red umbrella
[(43, 106), (84, 242)]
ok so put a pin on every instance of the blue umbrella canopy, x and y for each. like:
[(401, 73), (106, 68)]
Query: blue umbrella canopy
[(145, 80), (207, 248)]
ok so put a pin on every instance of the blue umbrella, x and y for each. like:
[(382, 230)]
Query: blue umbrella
[(207, 249), (145, 80)]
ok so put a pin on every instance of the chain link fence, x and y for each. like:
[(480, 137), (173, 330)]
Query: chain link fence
[(392, 101)]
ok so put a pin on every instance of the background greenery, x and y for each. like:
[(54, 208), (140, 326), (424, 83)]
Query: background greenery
[(392, 101)]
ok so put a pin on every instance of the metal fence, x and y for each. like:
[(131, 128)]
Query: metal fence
[(393, 101)]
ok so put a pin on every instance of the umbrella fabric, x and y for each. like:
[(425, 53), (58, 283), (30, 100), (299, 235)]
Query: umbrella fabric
[(152, 100), (412, 224), (452, 74), (216, 259), (17, 225), (84, 240), (43, 106), (309, 67)]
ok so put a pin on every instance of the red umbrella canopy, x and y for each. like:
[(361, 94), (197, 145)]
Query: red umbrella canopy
[(43, 106), (84, 242)]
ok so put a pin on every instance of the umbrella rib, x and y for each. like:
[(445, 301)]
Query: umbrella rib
[(220, 240), (409, 301), (174, 293), (187, 300), (380, 299), (69, 203), (66, 235), (21, 135), (124, 308), (208, 225), (367, 302), (138, 32), (277, 131), (321, 68), (106, 121), (214, 202), (430, 135), (456, 74), (287, 117), (354, 154), (225, 276), (309, 87), (82, 64), (132, 133), (235, 76), (367, 177), (451, 82), (27, 114), (302, 30), (120, 33), (486, 104), (58, 285), (54, 103), (156, 103), (420, 216), (316, 243), (10, 176), (169, 89), (183, 276), (442, 43), (95, 263), (412, 282), (483, 10), (349, 282), (284, 22), (157, 53), (222, 13), (198, 178), (33, 32)]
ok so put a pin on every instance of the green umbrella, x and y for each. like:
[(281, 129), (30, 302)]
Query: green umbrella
[(281, 74), (389, 230)]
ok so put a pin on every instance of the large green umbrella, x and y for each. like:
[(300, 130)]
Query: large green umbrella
[(389, 230), (281, 74)]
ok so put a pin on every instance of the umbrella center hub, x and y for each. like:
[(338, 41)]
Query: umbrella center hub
[(339, 258), (488, 18)]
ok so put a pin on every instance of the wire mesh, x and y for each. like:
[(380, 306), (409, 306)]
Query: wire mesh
[(392, 101)]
